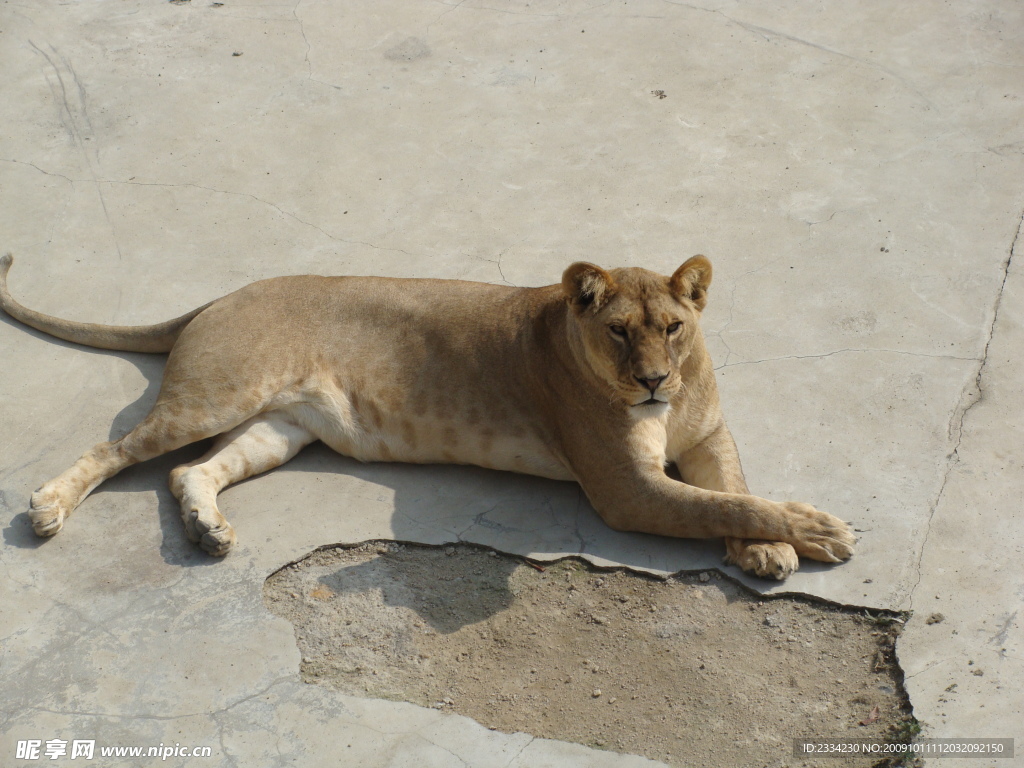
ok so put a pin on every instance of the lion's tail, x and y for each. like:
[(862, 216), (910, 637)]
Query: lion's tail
[(141, 338)]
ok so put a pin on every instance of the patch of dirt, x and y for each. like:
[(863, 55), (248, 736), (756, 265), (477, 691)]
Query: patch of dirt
[(691, 670)]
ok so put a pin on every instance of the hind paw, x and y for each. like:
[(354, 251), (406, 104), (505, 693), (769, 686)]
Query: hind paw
[(47, 515), (210, 530)]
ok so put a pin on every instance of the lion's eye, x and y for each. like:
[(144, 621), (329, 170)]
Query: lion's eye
[(618, 330), (673, 328)]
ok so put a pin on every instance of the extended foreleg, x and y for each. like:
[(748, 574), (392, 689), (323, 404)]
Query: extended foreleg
[(714, 464)]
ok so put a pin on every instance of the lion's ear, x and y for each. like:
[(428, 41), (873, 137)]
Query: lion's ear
[(586, 285), (692, 280)]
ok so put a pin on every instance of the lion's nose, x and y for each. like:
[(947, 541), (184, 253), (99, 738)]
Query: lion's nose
[(652, 383)]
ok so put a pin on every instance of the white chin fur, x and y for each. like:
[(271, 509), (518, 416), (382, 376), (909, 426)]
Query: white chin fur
[(645, 398), (651, 410)]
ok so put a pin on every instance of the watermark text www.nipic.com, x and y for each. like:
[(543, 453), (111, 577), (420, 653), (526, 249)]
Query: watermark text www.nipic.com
[(86, 749)]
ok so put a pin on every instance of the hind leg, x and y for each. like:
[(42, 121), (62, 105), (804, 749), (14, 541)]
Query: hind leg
[(166, 428), (52, 503), (260, 444)]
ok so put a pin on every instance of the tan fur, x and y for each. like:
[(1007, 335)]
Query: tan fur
[(603, 379)]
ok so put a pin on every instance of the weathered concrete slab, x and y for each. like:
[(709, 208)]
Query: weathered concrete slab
[(853, 171)]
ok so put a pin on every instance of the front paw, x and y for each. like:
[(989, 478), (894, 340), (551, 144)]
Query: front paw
[(47, 515), (818, 535), (766, 559)]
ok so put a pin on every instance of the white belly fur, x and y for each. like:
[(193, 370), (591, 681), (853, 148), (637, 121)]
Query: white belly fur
[(368, 432)]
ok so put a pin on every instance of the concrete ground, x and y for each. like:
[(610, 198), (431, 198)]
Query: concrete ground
[(853, 170)]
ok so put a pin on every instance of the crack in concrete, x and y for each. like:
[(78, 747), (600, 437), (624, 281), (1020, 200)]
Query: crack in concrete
[(500, 257), (520, 752), (218, 714), (767, 34), (309, 47), (930, 667), (302, 31), (223, 748), (70, 124), (443, 749), (97, 626), (445, 13), (63, 642), (59, 216), (293, 678), (497, 262), (719, 334), (251, 196), (576, 520), (112, 715), (163, 718), (843, 351), (998, 653), (826, 221), (273, 205), (504, 10), (77, 132), (357, 721), (480, 520), (45, 173), (971, 395)]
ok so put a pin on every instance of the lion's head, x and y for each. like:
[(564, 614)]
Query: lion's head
[(636, 327)]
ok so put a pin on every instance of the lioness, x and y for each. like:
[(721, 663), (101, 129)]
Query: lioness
[(603, 379)]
